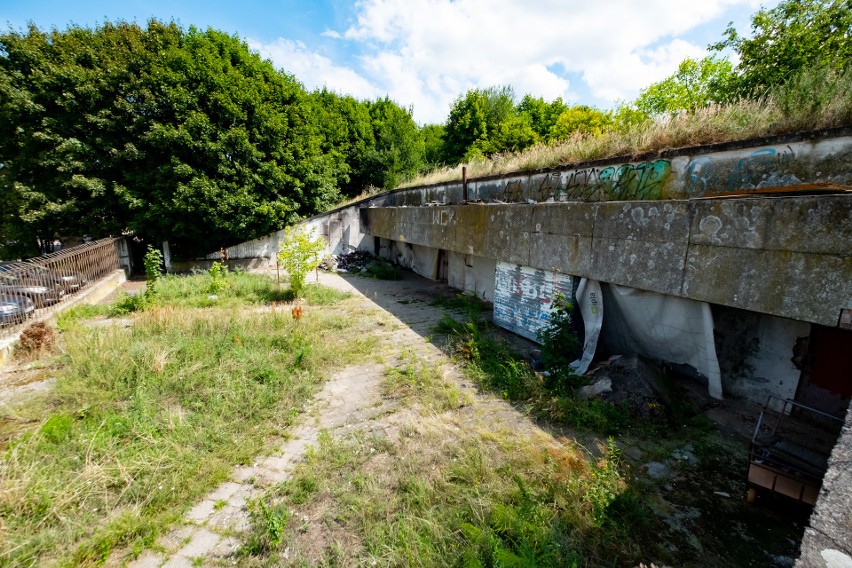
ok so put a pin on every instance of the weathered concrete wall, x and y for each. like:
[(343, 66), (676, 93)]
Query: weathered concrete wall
[(472, 273), (341, 227), (828, 539), (678, 174), (790, 257), (757, 352)]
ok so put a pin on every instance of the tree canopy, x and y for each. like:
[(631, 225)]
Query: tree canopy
[(485, 122), (695, 84), (179, 135), (793, 36)]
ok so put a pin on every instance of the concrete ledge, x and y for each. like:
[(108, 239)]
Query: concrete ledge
[(786, 256), (91, 295)]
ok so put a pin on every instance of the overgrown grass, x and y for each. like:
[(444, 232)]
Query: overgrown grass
[(417, 384), (381, 269), (494, 366), (145, 420), (450, 491), (815, 99)]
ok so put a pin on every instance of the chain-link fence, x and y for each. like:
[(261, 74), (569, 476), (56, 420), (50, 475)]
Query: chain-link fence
[(37, 285)]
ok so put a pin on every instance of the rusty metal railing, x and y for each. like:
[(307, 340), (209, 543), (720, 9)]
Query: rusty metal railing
[(31, 288)]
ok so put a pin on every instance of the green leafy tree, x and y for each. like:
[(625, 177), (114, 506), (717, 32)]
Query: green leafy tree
[(300, 253), (366, 143), (153, 269), (695, 84), (467, 124), (542, 115), (484, 122), (178, 135), (433, 144), (581, 119), (398, 152), (345, 132), (626, 117), (793, 36)]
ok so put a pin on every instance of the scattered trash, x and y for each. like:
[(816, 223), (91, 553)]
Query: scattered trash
[(352, 262)]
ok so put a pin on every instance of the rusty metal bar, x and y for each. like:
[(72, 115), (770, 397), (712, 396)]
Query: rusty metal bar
[(464, 184)]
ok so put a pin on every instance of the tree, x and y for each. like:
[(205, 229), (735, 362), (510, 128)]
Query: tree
[(793, 36), (485, 122), (345, 130), (696, 84), (300, 253), (581, 119), (542, 115), (467, 124), (178, 135), (398, 153), (433, 144)]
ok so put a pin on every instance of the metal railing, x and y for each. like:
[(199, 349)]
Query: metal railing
[(36, 286)]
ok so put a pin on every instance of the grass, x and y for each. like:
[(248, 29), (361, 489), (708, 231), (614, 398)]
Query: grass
[(492, 365), (417, 384), (457, 487), (381, 269), (468, 481), (145, 420), (813, 100)]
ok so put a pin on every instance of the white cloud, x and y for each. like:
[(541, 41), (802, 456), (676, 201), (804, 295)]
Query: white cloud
[(315, 70), (427, 52)]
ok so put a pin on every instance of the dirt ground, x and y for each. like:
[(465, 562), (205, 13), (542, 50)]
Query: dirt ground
[(698, 489)]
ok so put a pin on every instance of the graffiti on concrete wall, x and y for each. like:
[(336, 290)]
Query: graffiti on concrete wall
[(642, 181), (523, 297), (764, 167), (441, 216)]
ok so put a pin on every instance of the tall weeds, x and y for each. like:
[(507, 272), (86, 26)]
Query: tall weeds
[(812, 100)]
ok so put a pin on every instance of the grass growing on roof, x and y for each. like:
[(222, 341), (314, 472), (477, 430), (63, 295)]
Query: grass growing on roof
[(144, 420), (814, 99)]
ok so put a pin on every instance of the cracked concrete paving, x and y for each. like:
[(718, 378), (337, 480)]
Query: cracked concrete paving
[(350, 398)]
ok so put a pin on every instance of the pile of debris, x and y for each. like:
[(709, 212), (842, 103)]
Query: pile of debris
[(633, 383), (354, 261)]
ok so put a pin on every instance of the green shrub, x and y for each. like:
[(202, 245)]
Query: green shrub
[(300, 253), (218, 282), (559, 345), (153, 268), (383, 270)]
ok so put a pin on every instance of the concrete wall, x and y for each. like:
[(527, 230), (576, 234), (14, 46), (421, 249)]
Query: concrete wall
[(828, 539), (757, 353), (342, 229), (749, 166), (677, 174), (789, 257)]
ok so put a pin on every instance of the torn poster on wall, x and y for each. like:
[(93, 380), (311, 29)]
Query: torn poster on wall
[(523, 297)]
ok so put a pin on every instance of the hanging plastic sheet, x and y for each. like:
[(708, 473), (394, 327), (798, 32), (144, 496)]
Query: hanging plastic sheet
[(665, 328)]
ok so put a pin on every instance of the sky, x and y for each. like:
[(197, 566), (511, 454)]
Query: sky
[(423, 54)]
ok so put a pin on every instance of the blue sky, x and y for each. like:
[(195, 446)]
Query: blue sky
[(424, 53)]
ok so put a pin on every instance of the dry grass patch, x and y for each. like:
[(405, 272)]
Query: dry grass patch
[(816, 99)]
